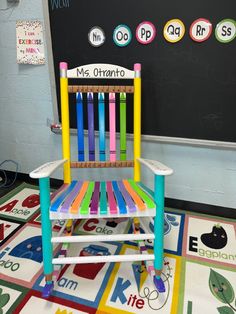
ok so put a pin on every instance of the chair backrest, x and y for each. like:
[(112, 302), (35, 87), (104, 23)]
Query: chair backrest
[(85, 96)]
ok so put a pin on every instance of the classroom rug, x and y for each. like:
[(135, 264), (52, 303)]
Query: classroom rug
[(199, 265)]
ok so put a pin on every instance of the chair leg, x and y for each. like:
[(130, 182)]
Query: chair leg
[(69, 226), (159, 196), (46, 235)]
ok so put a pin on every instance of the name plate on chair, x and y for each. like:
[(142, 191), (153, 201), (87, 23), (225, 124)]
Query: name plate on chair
[(106, 71)]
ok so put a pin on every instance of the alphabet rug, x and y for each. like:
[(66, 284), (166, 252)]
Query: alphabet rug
[(199, 264)]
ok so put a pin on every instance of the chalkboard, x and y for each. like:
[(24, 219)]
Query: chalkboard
[(188, 88)]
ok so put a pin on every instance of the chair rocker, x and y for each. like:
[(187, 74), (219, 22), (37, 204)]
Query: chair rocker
[(78, 199)]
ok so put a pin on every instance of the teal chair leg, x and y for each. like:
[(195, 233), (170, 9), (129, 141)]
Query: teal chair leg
[(46, 234), (159, 196)]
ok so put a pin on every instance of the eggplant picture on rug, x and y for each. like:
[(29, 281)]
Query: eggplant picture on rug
[(217, 239)]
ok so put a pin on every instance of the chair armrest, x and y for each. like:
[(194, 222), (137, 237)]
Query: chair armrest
[(156, 167), (47, 169)]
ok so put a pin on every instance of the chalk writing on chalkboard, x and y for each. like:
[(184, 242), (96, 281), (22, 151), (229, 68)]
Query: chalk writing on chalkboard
[(60, 4)]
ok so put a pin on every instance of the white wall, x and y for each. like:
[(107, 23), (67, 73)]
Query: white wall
[(204, 175)]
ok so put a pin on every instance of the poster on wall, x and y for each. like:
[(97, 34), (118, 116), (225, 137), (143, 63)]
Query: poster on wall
[(29, 42)]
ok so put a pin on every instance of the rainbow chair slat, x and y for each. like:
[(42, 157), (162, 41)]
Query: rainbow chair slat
[(101, 199)]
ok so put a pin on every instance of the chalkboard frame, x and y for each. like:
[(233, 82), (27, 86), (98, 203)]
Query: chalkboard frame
[(151, 138)]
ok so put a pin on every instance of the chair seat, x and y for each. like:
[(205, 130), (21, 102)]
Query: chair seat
[(89, 199)]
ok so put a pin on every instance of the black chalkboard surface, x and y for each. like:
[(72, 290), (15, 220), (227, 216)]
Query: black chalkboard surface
[(188, 88)]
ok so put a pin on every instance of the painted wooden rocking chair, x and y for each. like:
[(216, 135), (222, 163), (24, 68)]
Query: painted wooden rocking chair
[(110, 199)]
